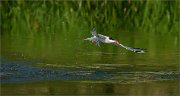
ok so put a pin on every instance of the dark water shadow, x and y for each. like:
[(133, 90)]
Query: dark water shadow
[(25, 71)]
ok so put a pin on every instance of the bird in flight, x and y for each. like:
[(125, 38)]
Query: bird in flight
[(99, 38)]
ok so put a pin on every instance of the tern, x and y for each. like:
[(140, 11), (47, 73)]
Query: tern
[(99, 38)]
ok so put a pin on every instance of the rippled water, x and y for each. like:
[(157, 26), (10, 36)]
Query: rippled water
[(27, 77), (24, 71)]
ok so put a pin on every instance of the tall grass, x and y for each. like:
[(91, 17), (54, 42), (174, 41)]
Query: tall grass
[(49, 16)]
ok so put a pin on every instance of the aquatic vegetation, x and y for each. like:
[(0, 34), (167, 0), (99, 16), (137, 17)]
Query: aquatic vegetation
[(23, 71)]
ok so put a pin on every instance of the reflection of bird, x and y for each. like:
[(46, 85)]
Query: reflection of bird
[(98, 38)]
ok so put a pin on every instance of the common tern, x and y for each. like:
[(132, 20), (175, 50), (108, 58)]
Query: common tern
[(98, 38)]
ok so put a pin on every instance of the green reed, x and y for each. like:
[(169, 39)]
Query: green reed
[(50, 16)]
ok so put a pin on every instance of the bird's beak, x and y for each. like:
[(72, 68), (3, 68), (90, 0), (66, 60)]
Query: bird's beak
[(116, 42)]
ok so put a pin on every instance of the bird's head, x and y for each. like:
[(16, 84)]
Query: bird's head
[(116, 42)]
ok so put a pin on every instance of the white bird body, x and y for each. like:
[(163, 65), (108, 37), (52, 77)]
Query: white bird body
[(98, 38), (107, 40)]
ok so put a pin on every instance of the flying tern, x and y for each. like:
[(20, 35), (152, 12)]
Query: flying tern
[(98, 38)]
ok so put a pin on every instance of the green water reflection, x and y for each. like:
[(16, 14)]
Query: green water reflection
[(165, 88), (73, 50)]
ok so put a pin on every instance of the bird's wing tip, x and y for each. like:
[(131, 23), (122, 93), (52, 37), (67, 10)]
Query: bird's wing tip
[(93, 32)]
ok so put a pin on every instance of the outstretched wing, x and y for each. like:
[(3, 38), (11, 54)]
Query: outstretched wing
[(94, 40), (100, 36), (137, 50)]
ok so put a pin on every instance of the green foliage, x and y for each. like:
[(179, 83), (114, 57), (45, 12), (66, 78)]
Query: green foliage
[(50, 16)]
